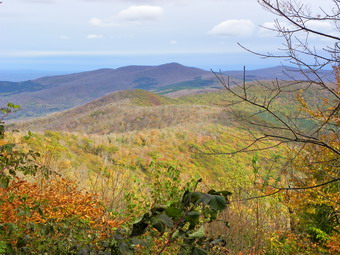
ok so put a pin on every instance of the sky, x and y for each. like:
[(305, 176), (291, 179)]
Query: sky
[(79, 35)]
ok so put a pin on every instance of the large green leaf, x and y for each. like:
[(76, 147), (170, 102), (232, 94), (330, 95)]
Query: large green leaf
[(217, 203), (192, 197), (160, 222), (173, 212), (139, 227), (166, 220), (205, 198)]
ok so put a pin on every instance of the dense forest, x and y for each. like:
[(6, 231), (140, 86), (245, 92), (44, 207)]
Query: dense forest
[(231, 167)]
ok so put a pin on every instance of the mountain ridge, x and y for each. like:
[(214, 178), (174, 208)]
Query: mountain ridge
[(62, 92), (122, 111), (286, 73), (57, 93)]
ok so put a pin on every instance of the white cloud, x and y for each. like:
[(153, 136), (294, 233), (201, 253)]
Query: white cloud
[(103, 23), (94, 36), (140, 13), (233, 27), (95, 21), (132, 15), (64, 37)]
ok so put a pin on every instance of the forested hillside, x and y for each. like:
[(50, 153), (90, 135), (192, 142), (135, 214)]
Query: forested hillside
[(133, 171), (56, 93)]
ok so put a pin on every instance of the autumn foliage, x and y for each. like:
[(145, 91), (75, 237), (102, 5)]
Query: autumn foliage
[(54, 210), (48, 200)]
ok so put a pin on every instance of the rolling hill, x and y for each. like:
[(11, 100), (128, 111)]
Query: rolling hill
[(56, 93), (129, 110)]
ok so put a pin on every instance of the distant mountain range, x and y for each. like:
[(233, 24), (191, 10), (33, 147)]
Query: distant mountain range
[(25, 75), (281, 73), (56, 93)]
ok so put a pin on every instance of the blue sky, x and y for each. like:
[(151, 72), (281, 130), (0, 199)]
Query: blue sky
[(77, 35)]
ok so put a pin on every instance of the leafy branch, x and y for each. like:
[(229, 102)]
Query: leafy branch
[(182, 222)]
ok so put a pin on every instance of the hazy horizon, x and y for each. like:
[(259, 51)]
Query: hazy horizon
[(87, 63), (80, 35)]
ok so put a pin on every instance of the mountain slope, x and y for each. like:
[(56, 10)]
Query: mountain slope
[(132, 110), (62, 92), (58, 93), (125, 111)]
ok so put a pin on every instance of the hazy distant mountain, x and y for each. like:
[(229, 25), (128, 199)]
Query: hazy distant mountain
[(278, 72), (55, 93), (24, 75)]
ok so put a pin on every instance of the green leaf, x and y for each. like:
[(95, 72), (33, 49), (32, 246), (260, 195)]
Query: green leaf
[(198, 234), (198, 251), (140, 226), (160, 222), (192, 197), (205, 198), (173, 212), (195, 196), (186, 198), (159, 226), (193, 218), (166, 220), (217, 203), (14, 106)]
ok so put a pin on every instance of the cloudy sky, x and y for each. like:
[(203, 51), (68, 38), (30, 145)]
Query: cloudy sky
[(77, 35)]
